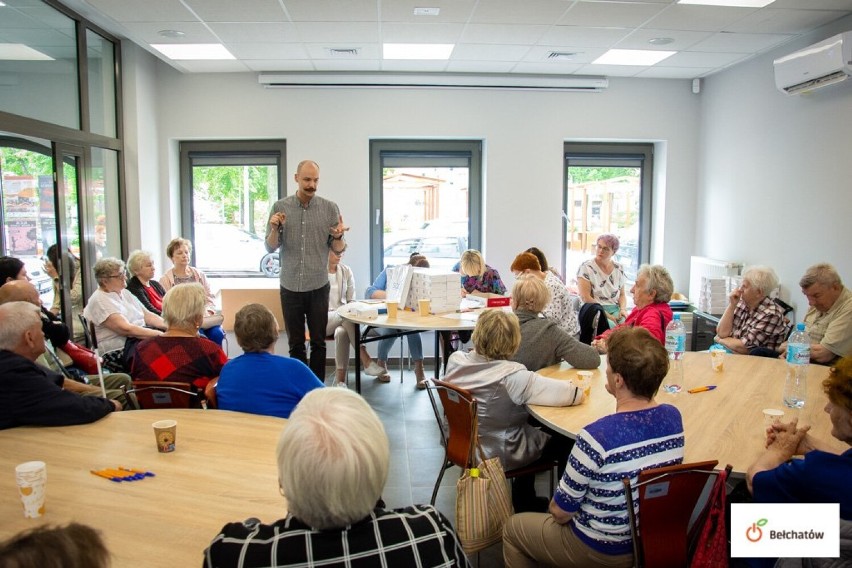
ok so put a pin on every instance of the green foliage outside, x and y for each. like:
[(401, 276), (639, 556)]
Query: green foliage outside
[(584, 174), (226, 186)]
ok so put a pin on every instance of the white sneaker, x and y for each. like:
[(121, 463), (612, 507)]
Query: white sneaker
[(374, 370)]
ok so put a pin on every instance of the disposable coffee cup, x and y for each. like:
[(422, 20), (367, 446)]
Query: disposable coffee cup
[(393, 309), (584, 382), (770, 417), (717, 359), (425, 306), (165, 432), (31, 478)]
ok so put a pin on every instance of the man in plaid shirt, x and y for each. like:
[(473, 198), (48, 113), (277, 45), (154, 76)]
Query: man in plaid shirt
[(752, 319), (333, 461)]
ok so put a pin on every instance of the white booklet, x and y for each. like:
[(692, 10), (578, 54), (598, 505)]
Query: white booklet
[(399, 280)]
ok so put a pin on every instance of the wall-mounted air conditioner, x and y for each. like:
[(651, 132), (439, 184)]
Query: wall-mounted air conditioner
[(822, 64)]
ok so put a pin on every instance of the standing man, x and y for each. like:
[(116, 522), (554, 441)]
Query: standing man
[(829, 318), (304, 227)]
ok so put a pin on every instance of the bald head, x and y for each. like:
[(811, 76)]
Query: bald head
[(20, 330), (19, 291)]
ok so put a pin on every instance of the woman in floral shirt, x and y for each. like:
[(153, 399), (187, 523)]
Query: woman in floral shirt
[(478, 276)]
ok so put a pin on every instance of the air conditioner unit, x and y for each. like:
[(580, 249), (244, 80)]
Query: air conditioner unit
[(822, 64), (435, 81)]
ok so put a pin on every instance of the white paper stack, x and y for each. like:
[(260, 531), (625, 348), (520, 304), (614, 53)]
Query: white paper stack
[(713, 297), (441, 287)]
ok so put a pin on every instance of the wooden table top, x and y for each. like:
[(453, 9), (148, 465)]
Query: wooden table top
[(410, 320), (223, 470), (724, 424)]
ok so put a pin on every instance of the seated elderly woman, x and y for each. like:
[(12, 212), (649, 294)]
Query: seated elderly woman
[(587, 522), (259, 381), (560, 308), (180, 354), (333, 460), (148, 291), (179, 252), (600, 280), (752, 322), (651, 294), (502, 388), (120, 320), (821, 476), (544, 343)]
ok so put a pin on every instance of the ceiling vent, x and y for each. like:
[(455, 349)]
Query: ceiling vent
[(561, 55), (543, 82), (344, 52)]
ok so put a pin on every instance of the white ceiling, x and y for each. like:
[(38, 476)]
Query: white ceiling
[(490, 36)]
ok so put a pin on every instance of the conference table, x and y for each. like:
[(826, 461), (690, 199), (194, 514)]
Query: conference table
[(724, 424), (408, 323), (223, 470)]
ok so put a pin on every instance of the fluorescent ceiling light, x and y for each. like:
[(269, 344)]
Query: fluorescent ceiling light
[(417, 50), (21, 52), (732, 3), (632, 57), (179, 51)]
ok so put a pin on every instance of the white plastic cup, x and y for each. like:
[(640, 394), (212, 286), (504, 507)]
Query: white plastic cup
[(31, 478), (717, 359), (770, 417)]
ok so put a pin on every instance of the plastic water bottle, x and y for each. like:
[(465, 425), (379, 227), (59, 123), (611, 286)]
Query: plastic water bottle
[(798, 359), (675, 345)]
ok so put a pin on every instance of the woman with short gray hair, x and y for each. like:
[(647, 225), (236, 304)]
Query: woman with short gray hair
[(120, 320), (753, 323), (148, 291), (333, 459)]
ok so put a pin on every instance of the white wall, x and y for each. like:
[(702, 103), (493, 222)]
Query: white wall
[(774, 183), (523, 134)]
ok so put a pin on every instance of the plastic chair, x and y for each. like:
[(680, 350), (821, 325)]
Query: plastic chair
[(460, 433), (166, 394), (673, 505)]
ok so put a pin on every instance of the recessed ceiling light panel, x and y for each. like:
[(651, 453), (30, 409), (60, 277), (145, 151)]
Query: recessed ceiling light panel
[(193, 51), (441, 51), (645, 57)]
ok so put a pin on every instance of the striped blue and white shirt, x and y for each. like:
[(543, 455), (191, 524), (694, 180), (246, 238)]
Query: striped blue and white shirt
[(608, 450)]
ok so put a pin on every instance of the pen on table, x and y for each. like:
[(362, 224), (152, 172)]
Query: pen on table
[(701, 389), (141, 471), (106, 476), (125, 475)]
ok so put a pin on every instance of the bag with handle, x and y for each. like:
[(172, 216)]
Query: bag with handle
[(483, 503)]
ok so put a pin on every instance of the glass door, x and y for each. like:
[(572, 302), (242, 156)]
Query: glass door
[(64, 256)]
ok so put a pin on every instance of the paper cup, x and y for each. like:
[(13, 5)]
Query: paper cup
[(584, 382), (165, 432), (770, 417), (425, 306), (393, 309), (32, 479), (717, 359)]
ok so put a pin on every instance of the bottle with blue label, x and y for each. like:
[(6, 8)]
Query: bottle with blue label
[(676, 346), (798, 360)]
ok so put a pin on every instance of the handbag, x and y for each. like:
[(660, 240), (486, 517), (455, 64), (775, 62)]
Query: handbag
[(711, 547), (483, 503)]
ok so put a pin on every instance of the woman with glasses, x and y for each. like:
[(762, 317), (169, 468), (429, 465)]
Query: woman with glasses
[(601, 280), (342, 291), (120, 319), (179, 252)]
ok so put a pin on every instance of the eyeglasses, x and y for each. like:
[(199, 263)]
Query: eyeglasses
[(603, 248), (122, 276)]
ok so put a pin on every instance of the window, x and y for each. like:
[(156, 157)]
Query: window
[(425, 197), (607, 190), (227, 191)]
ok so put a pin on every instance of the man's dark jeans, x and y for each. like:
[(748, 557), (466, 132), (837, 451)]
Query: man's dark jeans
[(310, 307)]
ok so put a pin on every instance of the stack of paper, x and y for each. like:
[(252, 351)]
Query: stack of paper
[(713, 297), (441, 287)]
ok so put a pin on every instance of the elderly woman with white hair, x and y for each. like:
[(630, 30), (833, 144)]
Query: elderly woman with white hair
[(543, 342), (753, 322), (333, 459), (120, 320), (180, 354), (651, 294), (149, 292)]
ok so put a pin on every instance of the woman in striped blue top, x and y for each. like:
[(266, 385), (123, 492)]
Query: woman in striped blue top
[(587, 523)]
